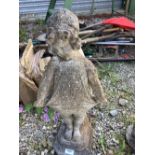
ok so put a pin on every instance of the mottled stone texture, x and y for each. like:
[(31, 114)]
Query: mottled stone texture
[(70, 84), (80, 148)]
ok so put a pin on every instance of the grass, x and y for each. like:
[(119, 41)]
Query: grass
[(123, 147), (39, 22), (127, 93), (128, 120), (23, 31), (102, 142), (39, 111), (28, 107), (23, 35), (50, 113), (106, 70)]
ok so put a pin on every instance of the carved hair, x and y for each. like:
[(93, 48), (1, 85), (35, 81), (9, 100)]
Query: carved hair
[(61, 18), (65, 25)]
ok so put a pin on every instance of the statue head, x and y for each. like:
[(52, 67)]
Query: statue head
[(62, 33), (63, 19)]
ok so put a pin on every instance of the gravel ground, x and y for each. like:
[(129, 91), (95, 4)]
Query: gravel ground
[(109, 121)]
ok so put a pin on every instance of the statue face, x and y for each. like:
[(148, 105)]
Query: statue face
[(62, 33), (58, 43)]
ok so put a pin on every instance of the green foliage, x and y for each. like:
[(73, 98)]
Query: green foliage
[(50, 113), (114, 77), (127, 94), (102, 142), (39, 22), (23, 35), (104, 69), (39, 111), (107, 71), (122, 146), (128, 120), (28, 107)]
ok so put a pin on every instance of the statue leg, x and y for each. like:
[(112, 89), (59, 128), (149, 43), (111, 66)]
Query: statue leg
[(69, 127), (77, 124)]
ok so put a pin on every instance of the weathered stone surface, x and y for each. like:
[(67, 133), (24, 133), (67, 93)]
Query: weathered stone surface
[(130, 136), (122, 102), (70, 84), (77, 148), (114, 113)]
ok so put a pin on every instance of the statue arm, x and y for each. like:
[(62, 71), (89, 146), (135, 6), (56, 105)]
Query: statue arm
[(46, 84), (95, 83)]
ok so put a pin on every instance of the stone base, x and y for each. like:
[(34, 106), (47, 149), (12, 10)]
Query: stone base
[(64, 147)]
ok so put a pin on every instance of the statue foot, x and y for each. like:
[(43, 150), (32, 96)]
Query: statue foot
[(68, 135), (77, 136)]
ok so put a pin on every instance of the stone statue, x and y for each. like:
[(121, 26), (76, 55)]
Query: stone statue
[(70, 84)]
